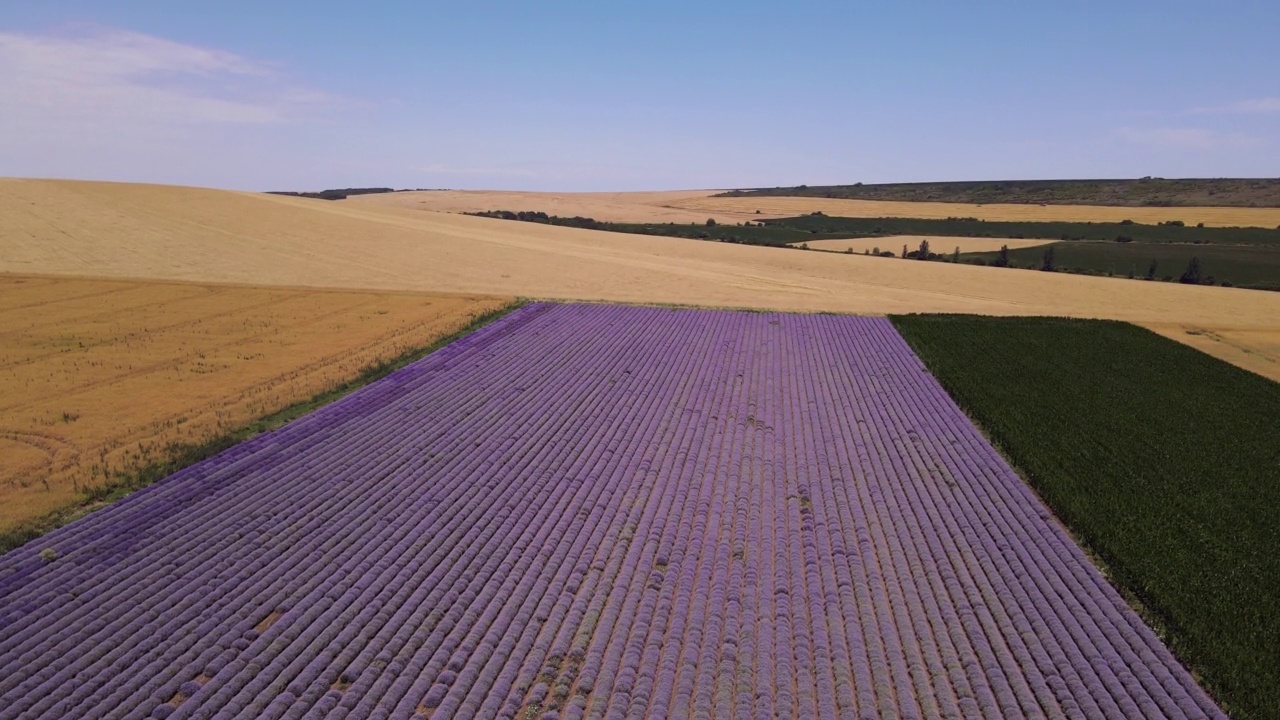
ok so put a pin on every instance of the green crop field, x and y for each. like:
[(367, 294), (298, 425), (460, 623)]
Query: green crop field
[(1148, 192), (969, 227), (1164, 461), (1252, 266)]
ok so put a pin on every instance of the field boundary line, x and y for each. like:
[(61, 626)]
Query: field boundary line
[(182, 455)]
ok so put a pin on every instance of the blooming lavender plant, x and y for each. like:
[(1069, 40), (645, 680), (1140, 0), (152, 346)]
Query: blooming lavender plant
[(585, 511)]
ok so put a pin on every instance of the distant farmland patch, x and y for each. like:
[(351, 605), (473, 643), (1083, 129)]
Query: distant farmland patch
[(1165, 461), (1123, 231), (100, 379), (1245, 257), (1144, 192), (334, 194), (776, 206), (940, 244), (1248, 266), (817, 226)]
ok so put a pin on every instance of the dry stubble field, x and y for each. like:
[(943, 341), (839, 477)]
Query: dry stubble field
[(99, 374)]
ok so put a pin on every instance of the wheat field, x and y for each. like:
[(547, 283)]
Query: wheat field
[(210, 236), (623, 207), (746, 207), (101, 376), (686, 206)]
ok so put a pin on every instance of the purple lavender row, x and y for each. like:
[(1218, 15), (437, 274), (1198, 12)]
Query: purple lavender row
[(593, 511)]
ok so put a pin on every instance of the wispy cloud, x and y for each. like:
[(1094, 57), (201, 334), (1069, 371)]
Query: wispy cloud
[(101, 75), (1255, 106), (1184, 138)]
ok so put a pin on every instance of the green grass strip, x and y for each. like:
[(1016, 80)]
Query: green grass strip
[(1163, 461), (180, 455)]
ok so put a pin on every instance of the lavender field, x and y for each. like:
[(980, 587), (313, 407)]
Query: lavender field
[(592, 511)]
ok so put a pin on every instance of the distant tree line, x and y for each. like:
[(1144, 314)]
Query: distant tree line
[(1125, 231), (1141, 192), (336, 194)]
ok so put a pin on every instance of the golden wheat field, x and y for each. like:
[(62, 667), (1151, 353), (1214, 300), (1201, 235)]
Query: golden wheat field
[(99, 375), (746, 207), (699, 205), (937, 244), (142, 231), (637, 207)]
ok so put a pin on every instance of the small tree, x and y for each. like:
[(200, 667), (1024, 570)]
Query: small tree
[(1151, 270), (924, 250), (904, 250), (1049, 263), (955, 256), (711, 222), (1002, 260), (1191, 276)]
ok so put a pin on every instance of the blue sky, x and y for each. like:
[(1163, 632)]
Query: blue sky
[(623, 96)]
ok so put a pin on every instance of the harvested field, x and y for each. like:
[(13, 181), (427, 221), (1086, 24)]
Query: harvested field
[(937, 243), (637, 207), (215, 236), (685, 206), (742, 208), (1252, 348), (102, 376), (764, 515)]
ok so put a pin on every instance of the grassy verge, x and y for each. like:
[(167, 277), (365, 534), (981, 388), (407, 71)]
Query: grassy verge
[(180, 455), (1163, 461)]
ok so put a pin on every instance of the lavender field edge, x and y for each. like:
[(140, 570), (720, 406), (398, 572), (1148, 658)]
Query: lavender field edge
[(593, 511), (180, 456)]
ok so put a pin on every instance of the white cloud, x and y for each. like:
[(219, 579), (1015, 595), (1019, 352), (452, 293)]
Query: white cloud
[(1184, 138), (105, 77), (1255, 106)]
